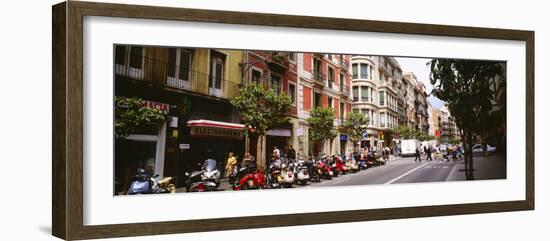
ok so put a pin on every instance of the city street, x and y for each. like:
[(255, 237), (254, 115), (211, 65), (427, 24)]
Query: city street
[(405, 170)]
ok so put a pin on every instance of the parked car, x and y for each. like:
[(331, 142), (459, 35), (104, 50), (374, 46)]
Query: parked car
[(477, 149)]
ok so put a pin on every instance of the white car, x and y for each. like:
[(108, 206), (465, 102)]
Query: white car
[(477, 149)]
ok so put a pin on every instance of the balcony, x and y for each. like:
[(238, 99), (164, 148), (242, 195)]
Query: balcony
[(319, 78), (345, 90), (279, 60), (179, 78), (344, 64)]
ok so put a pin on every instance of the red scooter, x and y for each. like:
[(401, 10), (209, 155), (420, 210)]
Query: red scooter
[(249, 178)]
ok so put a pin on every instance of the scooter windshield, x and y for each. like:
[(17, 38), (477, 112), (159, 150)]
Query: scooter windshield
[(209, 165)]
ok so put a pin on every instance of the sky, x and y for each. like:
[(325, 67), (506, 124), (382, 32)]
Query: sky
[(422, 71)]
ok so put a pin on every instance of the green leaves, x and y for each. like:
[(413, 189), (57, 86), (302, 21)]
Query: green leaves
[(261, 108), (321, 124), (356, 124), (467, 87), (130, 113)]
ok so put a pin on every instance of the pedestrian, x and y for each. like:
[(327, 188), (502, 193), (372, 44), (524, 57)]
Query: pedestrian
[(417, 155), (276, 152), (231, 163), (291, 154), (429, 153)]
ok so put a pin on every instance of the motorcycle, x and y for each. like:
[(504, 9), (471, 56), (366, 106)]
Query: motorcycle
[(274, 177), (287, 172), (326, 169), (352, 165), (247, 177), (301, 172), (341, 166), (314, 171), (211, 175), (193, 181), (144, 184)]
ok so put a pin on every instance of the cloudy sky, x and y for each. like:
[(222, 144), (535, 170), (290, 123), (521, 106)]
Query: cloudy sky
[(422, 71)]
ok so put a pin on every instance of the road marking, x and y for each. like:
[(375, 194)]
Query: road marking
[(406, 173)]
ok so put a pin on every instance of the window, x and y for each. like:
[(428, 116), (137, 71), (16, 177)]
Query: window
[(217, 65), (316, 99), (382, 119), (355, 93), (364, 71), (342, 111), (370, 72), (330, 77), (256, 75), (342, 82), (275, 83), (355, 71), (365, 112), (381, 98), (329, 102), (329, 56), (365, 94), (292, 93), (371, 95), (317, 69), (136, 57), (292, 56), (120, 54)]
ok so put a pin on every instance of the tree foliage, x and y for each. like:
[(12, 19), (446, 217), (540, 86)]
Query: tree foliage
[(261, 108), (468, 88), (356, 124), (321, 124), (130, 113)]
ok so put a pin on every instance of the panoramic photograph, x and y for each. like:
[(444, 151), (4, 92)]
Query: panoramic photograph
[(198, 120)]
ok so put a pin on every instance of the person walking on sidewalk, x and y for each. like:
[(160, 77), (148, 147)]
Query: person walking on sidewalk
[(417, 155)]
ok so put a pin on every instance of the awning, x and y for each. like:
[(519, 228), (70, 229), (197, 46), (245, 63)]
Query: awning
[(218, 124), (208, 128)]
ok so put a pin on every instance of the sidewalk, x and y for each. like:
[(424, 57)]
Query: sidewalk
[(224, 186), (485, 168)]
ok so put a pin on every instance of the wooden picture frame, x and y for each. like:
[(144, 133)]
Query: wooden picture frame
[(67, 152)]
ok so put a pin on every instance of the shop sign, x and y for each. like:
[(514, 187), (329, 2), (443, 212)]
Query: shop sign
[(185, 146), (156, 105), (216, 132), (279, 132), (343, 137)]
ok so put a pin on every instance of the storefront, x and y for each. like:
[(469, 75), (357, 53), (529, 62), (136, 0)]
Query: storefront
[(145, 148), (212, 139)]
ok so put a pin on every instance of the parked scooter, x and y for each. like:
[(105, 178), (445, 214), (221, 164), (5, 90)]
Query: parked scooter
[(314, 170), (352, 165), (247, 177), (144, 184), (211, 175), (326, 169), (274, 178), (287, 172), (301, 172), (194, 182)]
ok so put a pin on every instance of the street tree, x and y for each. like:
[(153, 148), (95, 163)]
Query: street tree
[(466, 87), (321, 125), (131, 113), (262, 109), (356, 124)]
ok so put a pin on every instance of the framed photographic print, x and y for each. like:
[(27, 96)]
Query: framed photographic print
[(205, 120)]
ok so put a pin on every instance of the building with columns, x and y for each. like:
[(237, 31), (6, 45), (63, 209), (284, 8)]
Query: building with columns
[(375, 90)]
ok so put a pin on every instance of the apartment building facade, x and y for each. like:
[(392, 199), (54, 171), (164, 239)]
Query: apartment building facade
[(324, 82)]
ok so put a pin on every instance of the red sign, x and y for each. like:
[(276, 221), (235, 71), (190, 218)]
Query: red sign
[(156, 105), (438, 133)]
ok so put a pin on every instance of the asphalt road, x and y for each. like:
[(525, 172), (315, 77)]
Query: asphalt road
[(403, 170)]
